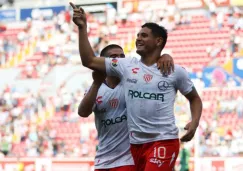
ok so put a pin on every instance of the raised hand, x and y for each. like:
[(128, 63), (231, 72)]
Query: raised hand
[(166, 64), (79, 17), (98, 77)]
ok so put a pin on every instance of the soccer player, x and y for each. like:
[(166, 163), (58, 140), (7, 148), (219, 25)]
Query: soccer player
[(106, 98), (149, 96)]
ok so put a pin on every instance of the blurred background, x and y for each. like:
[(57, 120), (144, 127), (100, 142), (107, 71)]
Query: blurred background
[(42, 79)]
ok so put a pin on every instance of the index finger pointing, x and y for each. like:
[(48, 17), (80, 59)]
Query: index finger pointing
[(73, 6)]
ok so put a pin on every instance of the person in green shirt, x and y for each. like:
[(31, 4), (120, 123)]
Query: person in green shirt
[(5, 146), (184, 158)]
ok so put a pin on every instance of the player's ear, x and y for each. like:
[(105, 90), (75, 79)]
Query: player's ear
[(159, 41)]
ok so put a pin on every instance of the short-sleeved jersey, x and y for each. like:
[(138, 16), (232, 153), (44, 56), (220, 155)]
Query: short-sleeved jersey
[(149, 98), (111, 124)]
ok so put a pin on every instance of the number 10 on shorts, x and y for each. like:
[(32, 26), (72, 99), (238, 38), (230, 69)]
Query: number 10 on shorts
[(159, 152)]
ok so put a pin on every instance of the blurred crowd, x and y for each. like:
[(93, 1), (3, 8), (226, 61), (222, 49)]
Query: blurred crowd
[(217, 136), (20, 116), (26, 125), (26, 118), (7, 49)]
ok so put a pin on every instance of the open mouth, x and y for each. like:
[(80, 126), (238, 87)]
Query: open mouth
[(140, 44)]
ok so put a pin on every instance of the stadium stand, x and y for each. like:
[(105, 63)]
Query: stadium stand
[(45, 81)]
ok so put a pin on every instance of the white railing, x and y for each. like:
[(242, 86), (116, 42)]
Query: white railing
[(87, 164)]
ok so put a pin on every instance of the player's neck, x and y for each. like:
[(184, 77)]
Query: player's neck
[(149, 59), (112, 82)]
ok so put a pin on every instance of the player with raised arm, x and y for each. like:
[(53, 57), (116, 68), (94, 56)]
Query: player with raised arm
[(106, 98), (149, 97), (85, 49)]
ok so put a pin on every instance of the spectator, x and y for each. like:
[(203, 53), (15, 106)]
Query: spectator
[(239, 22), (220, 19), (110, 14), (213, 22), (3, 57), (233, 42), (184, 158), (66, 102), (212, 8), (6, 144), (186, 19), (239, 107)]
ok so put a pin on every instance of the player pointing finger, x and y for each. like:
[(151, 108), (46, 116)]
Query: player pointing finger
[(79, 17)]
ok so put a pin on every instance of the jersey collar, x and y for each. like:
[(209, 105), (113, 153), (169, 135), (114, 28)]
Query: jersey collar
[(152, 66)]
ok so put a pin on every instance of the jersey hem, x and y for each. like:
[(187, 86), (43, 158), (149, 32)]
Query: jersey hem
[(110, 167), (153, 140)]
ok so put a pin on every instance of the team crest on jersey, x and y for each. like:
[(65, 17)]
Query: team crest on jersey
[(114, 62), (114, 103), (135, 70), (99, 100), (147, 78)]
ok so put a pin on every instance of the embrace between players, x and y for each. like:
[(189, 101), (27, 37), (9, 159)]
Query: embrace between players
[(133, 101)]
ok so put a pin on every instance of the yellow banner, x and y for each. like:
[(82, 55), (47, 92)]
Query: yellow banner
[(236, 2), (228, 66)]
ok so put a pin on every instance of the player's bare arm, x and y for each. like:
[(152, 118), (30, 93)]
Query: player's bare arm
[(86, 106), (196, 111), (86, 52)]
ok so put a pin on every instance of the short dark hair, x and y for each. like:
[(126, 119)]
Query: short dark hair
[(105, 49), (157, 31)]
